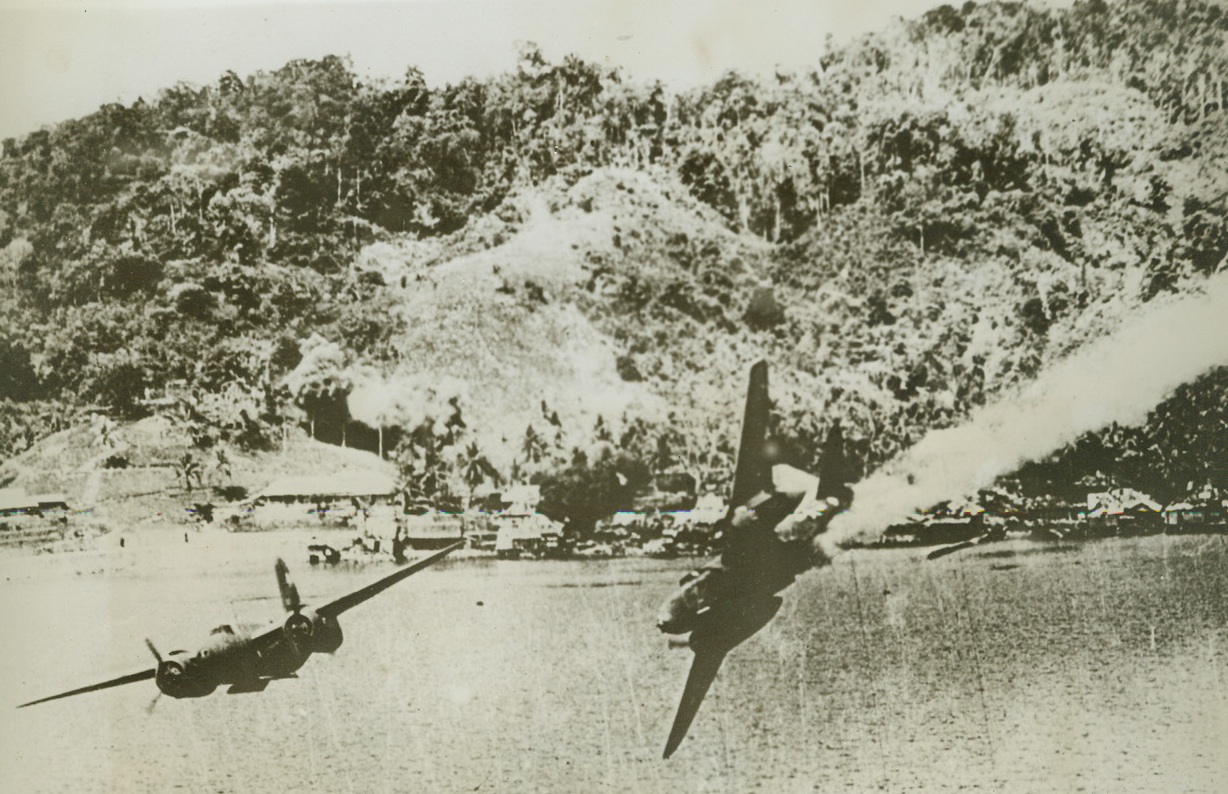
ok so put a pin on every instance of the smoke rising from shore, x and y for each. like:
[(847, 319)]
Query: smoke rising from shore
[(404, 401), (1116, 379)]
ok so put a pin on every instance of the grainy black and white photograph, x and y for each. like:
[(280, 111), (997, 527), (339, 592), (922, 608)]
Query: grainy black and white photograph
[(614, 395)]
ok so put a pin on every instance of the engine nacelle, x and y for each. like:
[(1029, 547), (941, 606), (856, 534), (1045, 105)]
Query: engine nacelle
[(328, 635), (182, 676), (308, 632), (699, 591)]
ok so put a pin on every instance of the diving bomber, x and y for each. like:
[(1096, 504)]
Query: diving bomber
[(247, 661), (769, 536)]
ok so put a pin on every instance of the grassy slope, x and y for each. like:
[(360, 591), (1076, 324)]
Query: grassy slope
[(71, 462)]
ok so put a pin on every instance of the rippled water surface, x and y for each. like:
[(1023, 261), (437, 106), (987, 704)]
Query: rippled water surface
[(1013, 667)]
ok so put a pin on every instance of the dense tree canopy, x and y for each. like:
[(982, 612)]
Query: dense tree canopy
[(929, 215)]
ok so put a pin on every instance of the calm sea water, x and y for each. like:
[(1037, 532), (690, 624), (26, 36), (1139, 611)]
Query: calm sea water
[(1015, 667)]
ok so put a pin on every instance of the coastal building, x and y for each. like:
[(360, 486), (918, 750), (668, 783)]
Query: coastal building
[(1123, 510), (518, 534), (343, 498), (1196, 515), (430, 529), (16, 502), (521, 498), (373, 487)]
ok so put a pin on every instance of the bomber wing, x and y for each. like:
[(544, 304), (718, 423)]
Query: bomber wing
[(723, 631), (335, 607), (704, 667), (271, 635), (131, 678)]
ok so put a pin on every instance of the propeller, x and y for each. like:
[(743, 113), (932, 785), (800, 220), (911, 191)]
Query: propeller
[(289, 593), (168, 673), (298, 627), (149, 644)]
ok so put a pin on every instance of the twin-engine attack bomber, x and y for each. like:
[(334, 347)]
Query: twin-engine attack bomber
[(248, 661), (770, 536)]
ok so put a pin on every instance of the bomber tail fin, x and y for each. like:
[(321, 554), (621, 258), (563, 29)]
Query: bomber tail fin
[(835, 466), (753, 473)]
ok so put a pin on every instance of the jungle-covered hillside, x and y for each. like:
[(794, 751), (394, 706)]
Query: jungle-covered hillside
[(559, 267)]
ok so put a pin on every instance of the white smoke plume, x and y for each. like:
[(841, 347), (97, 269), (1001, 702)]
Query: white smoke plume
[(1116, 379), (403, 400)]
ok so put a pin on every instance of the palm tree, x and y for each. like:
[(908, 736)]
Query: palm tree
[(104, 434), (533, 447), (221, 463), (420, 463), (187, 468), (475, 468)]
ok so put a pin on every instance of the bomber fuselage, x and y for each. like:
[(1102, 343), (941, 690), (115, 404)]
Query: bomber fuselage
[(756, 564), (231, 657)]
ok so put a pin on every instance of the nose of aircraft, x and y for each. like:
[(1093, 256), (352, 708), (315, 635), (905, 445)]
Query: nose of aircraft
[(671, 619)]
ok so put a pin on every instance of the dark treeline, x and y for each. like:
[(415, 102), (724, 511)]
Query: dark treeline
[(941, 208)]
